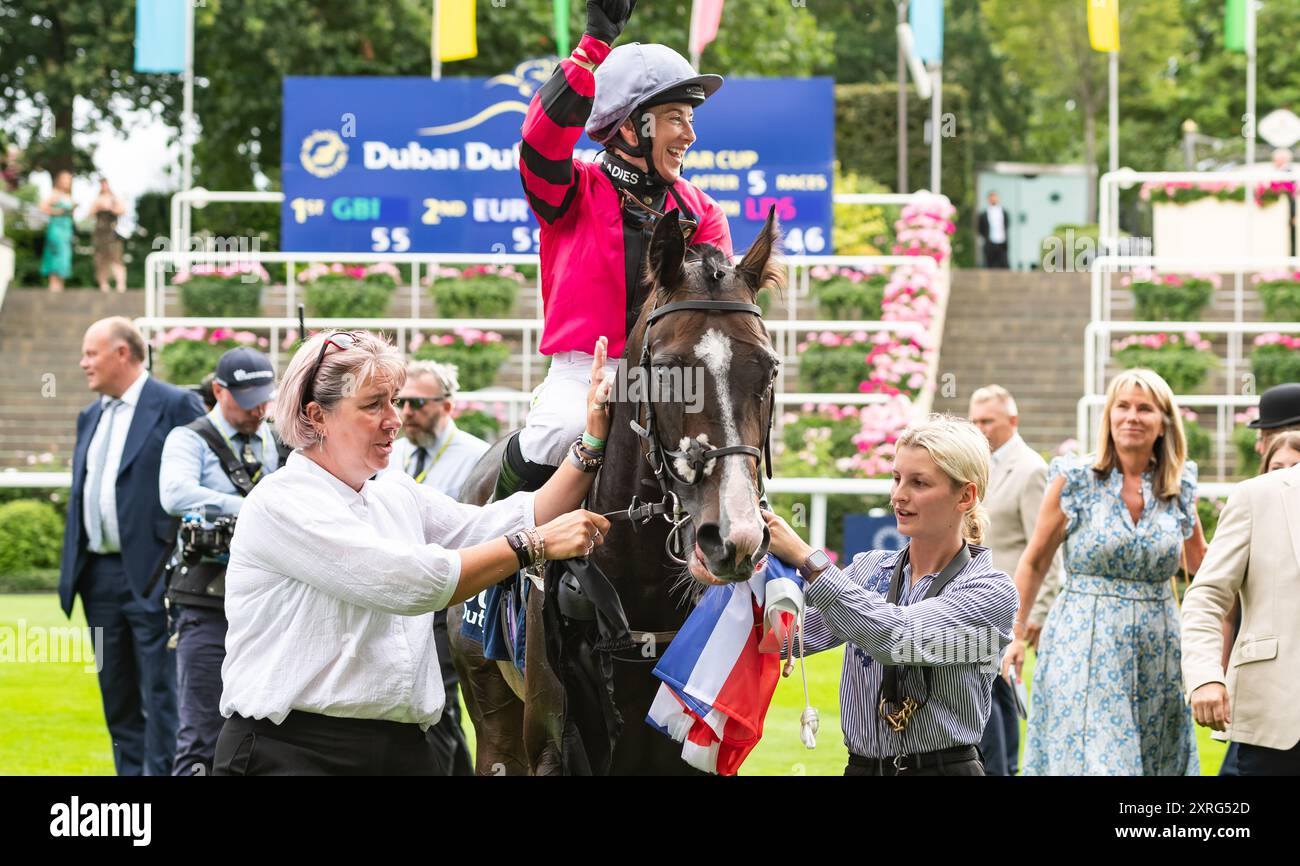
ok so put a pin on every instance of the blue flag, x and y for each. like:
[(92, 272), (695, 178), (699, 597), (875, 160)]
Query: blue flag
[(926, 18), (160, 35)]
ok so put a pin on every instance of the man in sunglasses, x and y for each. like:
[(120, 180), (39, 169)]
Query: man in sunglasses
[(597, 218), (434, 451)]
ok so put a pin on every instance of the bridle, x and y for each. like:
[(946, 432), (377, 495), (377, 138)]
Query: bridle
[(695, 455)]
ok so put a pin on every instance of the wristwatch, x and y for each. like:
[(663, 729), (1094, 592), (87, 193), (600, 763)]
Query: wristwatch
[(816, 562)]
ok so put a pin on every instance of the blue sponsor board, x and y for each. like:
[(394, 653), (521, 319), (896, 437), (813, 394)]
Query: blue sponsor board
[(415, 165), (863, 532)]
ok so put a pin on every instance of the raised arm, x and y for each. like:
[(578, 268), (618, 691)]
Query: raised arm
[(560, 109)]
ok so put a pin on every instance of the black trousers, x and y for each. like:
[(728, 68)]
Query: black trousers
[(200, 650), (137, 674), (307, 744), (995, 255), (1000, 744), (1259, 761)]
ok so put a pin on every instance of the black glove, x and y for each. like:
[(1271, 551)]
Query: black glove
[(607, 18)]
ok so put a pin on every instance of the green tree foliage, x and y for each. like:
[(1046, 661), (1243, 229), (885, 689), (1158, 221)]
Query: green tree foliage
[(52, 52)]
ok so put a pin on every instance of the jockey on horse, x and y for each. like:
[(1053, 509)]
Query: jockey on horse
[(597, 218)]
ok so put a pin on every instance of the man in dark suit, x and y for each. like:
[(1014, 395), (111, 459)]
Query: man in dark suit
[(994, 228), (116, 534)]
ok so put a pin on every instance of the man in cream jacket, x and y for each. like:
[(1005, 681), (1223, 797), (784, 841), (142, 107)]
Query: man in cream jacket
[(1017, 479), (1255, 554)]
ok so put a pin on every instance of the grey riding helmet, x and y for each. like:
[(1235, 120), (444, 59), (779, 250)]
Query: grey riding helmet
[(636, 76)]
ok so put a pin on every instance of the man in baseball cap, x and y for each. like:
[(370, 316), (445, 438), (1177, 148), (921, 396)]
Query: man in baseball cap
[(1279, 411), (248, 376)]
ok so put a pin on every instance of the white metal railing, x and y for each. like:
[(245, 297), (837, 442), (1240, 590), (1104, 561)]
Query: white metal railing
[(1096, 346), (816, 488), (528, 329)]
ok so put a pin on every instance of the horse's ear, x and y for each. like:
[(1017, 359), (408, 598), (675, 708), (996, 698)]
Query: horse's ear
[(667, 252), (759, 267)]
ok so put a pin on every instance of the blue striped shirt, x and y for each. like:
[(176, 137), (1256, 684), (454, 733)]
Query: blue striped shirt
[(960, 635)]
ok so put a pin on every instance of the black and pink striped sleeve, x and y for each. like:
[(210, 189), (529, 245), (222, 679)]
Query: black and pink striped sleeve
[(551, 130)]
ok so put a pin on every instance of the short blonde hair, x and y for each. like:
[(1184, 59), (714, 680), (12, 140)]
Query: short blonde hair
[(1171, 446), (961, 452), (342, 373), (998, 394)]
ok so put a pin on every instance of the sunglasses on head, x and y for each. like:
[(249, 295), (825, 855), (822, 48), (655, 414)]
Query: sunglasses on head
[(342, 340), (416, 403)]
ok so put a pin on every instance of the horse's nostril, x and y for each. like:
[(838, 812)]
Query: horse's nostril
[(711, 542)]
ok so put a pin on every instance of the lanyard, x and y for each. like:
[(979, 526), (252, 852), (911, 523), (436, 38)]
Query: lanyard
[(419, 479)]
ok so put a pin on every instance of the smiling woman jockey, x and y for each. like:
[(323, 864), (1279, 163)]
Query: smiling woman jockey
[(596, 218)]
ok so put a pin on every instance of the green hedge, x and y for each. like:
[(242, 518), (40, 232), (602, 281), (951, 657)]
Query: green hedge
[(841, 298), (1274, 365), (1281, 300), (213, 296), (476, 366), (1185, 368), (186, 362), (479, 297), (833, 368), (337, 296), (31, 536), (1159, 301), (478, 423)]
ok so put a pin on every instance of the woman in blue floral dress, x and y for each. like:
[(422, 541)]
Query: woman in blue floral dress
[(1108, 686)]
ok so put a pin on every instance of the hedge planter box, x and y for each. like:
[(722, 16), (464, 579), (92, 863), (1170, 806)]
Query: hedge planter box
[(208, 291), (1170, 297), (189, 354), (476, 292), (1280, 292), (348, 292), (847, 293), (1275, 360), (1182, 360), (477, 355)]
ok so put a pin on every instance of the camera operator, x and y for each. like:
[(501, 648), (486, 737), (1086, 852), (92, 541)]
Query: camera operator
[(208, 467)]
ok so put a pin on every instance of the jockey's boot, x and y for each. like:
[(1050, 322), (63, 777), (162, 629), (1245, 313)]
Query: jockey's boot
[(519, 473)]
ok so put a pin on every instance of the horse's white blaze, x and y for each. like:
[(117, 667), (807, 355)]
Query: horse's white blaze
[(740, 518)]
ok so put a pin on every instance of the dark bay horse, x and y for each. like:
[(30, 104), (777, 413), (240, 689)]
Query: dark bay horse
[(699, 327)]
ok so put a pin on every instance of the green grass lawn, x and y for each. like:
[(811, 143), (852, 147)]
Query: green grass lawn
[(52, 723)]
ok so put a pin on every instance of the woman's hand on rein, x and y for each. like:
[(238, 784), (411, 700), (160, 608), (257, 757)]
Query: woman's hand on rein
[(575, 534), (598, 395)]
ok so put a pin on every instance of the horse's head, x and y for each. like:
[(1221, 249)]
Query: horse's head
[(709, 391)]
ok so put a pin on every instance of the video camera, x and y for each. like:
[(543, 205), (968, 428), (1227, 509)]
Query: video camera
[(206, 536)]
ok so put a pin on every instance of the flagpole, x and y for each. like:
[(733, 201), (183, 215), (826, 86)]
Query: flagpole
[(1114, 111), (436, 61), (902, 104), (187, 106), (936, 135), (690, 36), (1250, 82)]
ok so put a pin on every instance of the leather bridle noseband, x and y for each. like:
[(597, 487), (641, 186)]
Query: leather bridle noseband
[(695, 455)]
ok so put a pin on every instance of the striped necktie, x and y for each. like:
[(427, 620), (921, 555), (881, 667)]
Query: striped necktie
[(95, 518)]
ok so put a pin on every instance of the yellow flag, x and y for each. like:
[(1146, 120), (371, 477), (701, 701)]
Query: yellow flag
[(457, 38), (1103, 24)]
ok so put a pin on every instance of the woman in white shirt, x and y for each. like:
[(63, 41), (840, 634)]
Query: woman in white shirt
[(334, 576)]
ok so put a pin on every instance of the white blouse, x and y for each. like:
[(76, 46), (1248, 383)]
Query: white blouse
[(330, 593)]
